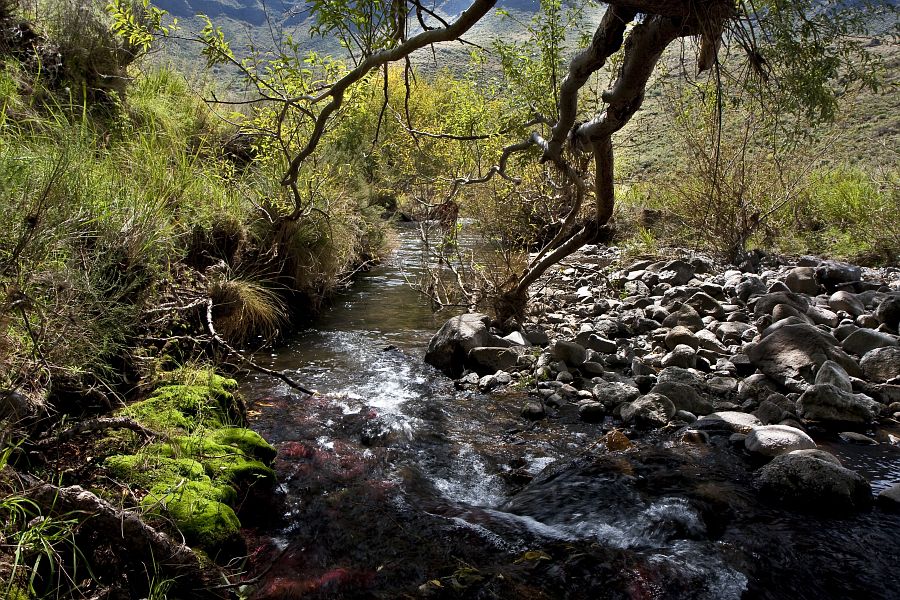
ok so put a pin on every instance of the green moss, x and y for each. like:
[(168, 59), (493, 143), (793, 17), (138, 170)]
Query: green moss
[(182, 407), (250, 442), (197, 511), (192, 476), (221, 461)]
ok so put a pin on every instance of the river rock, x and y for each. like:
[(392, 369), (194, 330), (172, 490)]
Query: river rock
[(450, 346), (809, 483), (733, 421), (862, 341), (794, 353), (650, 410), (881, 364), (773, 440), (888, 312), (731, 332), (834, 374), (613, 393), (832, 274), (823, 316), (768, 412), (681, 356), (488, 360), (889, 499), (820, 454), (765, 304), (533, 411), (684, 397), (571, 353), (676, 272), (802, 280), (517, 338), (847, 302), (705, 304), (681, 336), (591, 412), (825, 402), (685, 316)]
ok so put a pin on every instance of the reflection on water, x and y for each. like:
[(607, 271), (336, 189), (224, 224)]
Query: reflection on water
[(392, 479)]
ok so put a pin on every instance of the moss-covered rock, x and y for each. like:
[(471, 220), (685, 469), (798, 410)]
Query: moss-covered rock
[(198, 510), (193, 475)]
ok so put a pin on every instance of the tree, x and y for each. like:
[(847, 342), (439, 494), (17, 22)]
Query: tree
[(795, 50)]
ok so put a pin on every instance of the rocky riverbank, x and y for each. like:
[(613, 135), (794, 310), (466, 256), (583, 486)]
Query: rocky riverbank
[(772, 360)]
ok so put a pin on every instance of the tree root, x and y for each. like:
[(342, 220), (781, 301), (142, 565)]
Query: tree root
[(134, 540), (98, 424)]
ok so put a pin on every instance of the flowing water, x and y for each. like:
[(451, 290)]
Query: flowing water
[(395, 484)]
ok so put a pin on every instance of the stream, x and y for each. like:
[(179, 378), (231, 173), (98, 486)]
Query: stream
[(393, 484)]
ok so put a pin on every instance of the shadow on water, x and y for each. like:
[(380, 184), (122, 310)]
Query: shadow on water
[(393, 484)]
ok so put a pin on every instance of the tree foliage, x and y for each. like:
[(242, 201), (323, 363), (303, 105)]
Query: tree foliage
[(797, 55)]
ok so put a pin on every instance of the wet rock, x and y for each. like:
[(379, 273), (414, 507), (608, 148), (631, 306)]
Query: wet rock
[(802, 280), (682, 356), (793, 354), (862, 341), (533, 411), (881, 364), (488, 383), (773, 440), (808, 483), (733, 421), (591, 412), (831, 404), (847, 302), (852, 437), (450, 345), (651, 410), (832, 274), (571, 353), (616, 441), (889, 499)]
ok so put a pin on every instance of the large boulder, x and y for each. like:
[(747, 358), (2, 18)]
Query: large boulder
[(881, 364), (651, 410), (831, 404), (808, 483), (450, 346), (792, 354), (773, 440)]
